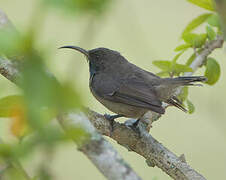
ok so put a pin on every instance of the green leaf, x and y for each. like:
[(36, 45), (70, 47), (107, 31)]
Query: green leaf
[(212, 71), (214, 20), (181, 68), (69, 97), (163, 65), (182, 47), (79, 6), (190, 59), (44, 95), (211, 35), (8, 104), (13, 44), (78, 134), (191, 107), (176, 57), (196, 40), (206, 4), (196, 22), (163, 74), (5, 150)]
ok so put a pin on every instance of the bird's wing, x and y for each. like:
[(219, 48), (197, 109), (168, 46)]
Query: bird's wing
[(132, 91)]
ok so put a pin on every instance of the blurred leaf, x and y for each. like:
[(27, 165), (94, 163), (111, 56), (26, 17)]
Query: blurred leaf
[(5, 150), (210, 33), (181, 68), (78, 135), (44, 95), (163, 74), (190, 59), (206, 4), (183, 94), (14, 45), (191, 107), (9, 103), (182, 47), (19, 122), (196, 40), (49, 136), (79, 6), (196, 22), (174, 60), (44, 173), (39, 90), (163, 65), (214, 20), (212, 71), (35, 178), (15, 173), (69, 98), (168, 67)]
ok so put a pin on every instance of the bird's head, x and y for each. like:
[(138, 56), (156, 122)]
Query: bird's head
[(99, 58)]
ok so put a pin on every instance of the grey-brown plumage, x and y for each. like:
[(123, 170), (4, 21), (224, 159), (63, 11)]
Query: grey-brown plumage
[(128, 90)]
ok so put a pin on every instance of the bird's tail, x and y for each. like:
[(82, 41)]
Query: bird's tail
[(187, 80)]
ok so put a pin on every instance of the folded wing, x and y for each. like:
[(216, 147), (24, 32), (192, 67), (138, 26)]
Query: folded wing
[(132, 92)]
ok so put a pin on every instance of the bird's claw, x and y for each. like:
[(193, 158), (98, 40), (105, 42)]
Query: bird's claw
[(134, 126), (111, 119)]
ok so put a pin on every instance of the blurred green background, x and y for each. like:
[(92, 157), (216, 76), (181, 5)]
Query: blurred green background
[(142, 31)]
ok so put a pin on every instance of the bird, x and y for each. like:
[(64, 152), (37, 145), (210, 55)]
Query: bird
[(128, 90)]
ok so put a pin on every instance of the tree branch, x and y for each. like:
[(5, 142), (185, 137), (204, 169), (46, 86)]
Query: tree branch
[(220, 7), (208, 48), (96, 148), (142, 143)]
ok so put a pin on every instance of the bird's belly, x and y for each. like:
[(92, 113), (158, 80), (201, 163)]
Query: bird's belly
[(122, 109)]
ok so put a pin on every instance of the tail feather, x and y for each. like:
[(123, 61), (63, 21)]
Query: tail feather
[(183, 81), (177, 104), (189, 80)]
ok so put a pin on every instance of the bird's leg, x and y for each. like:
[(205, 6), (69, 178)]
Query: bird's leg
[(136, 123), (111, 118), (134, 126)]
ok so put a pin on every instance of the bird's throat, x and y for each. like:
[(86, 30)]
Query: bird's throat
[(92, 69)]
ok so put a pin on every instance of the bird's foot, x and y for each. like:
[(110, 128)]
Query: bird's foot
[(111, 119), (134, 126)]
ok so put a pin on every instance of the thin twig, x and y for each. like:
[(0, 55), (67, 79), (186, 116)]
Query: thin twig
[(208, 48), (220, 6)]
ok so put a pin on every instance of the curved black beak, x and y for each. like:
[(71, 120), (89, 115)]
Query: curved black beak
[(81, 50)]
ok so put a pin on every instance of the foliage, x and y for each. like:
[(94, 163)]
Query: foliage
[(206, 4), (212, 71), (43, 97), (195, 41), (79, 6)]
